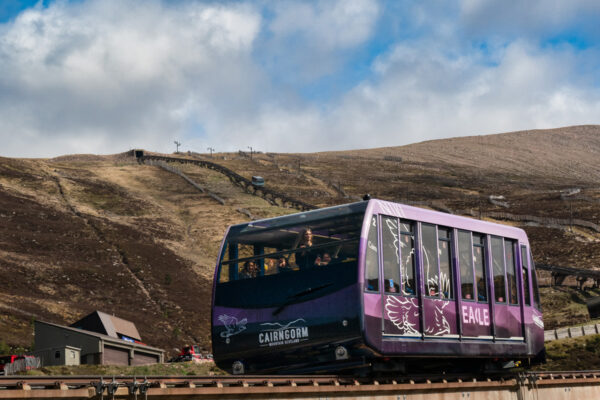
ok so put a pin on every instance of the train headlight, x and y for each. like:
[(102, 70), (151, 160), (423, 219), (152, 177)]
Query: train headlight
[(341, 353), (237, 368)]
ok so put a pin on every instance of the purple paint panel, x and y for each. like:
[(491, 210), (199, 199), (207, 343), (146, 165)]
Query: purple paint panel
[(440, 317), (372, 305), (476, 319), (401, 316), (515, 326)]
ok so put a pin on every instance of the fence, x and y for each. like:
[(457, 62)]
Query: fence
[(269, 195), (545, 221), (576, 331), (23, 364), (176, 171)]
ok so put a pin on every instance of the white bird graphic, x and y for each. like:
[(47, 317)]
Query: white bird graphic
[(232, 325), (399, 310)]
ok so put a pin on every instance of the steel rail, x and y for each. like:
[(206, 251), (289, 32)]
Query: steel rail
[(263, 386)]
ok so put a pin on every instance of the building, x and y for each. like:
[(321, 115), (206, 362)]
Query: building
[(109, 325), (98, 338), (66, 355)]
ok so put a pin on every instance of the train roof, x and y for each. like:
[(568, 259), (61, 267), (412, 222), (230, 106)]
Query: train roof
[(441, 218), (392, 209)]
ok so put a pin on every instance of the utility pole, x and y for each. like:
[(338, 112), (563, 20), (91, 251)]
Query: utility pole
[(177, 144), (211, 150), (250, 147)]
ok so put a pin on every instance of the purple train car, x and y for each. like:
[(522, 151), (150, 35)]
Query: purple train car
[(376, 286)]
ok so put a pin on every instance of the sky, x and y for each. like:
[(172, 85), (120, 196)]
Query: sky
[(106, 76)]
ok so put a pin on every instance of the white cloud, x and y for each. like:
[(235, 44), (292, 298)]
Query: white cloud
[(123, 71), (422, 91), (309, 39), (106, 75)]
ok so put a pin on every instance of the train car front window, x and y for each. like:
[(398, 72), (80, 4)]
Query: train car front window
[(265, 252)]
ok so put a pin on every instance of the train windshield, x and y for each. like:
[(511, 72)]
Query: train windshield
[(287, 253)]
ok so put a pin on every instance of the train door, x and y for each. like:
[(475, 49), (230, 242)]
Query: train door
[(401, 316), (475, 311), (507, 311), (439, 305)]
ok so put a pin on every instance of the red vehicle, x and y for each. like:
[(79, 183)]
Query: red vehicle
[(190, 353), (4, 360)]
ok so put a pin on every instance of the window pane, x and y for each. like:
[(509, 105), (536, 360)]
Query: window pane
[(430, 260), (407, 259), (445, 251), (391, 255), (525, 271), (479, 262), (465, 257), (536, 292), (406, 227), (511, 271), (498, 270), (372, 260)]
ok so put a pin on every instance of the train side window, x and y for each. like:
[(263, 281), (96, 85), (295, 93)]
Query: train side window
[(498, 270), (465, 256), (430, 259), (511, 271), (525, 272), (445, 253), (536, 291), (407, 258), (372, 258), (479, 263), (391, 254)]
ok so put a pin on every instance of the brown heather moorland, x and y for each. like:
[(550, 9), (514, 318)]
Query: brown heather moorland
[(86, 232)]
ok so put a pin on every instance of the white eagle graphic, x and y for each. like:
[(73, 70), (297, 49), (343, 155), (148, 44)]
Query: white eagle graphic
[(440, 326), (398, 311), (232, 325)]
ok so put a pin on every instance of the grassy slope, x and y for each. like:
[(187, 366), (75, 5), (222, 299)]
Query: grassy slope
[(63, 256), (582, 353)]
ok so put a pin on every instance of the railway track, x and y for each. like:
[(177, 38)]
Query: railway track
[(518, 386)]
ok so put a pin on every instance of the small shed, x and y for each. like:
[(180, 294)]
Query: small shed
[(65, 355)]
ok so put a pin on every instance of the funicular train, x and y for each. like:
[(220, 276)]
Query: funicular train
[(374, 285)]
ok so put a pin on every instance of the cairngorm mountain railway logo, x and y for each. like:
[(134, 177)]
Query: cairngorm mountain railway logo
[(276, 334)]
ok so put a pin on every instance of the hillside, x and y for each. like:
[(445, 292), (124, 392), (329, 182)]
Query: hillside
[(86, 232)]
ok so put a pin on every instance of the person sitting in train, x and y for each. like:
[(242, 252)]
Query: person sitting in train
[(306, 258), (283, 265), (249, 270), (390, 286), (324, 260)]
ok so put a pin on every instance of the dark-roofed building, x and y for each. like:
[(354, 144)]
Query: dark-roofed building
[(100, 338), (109, 325)]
